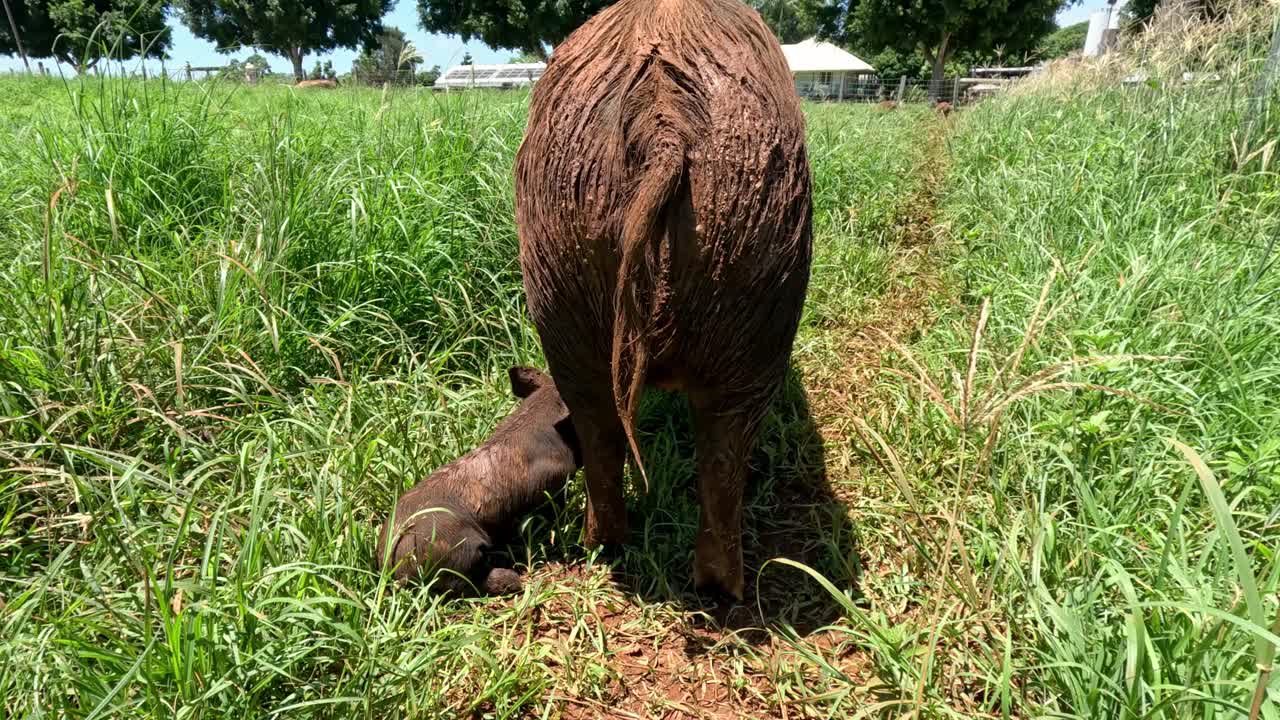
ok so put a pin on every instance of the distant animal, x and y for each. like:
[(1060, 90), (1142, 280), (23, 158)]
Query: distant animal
[(663, 205), (942, 107), (887, 105), (449, 520), (327, 84)]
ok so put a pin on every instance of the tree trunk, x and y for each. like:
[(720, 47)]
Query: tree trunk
[(939, 67), (295, 55), (539, 51)]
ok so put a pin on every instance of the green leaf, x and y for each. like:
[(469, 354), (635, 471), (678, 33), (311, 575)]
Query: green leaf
[(1264, 651)]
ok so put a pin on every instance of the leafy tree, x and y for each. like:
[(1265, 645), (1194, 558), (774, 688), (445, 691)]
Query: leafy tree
[(366, 68), (429, 77), (791, 20), (260, 62), (523, 25), (939, 29), (525, 57), (892, 64), (291, 28), (1063, 41), (235, 70), (82, 32), (383, 58), (466, 59), (1138, 11), (323, 71), (834, 21)]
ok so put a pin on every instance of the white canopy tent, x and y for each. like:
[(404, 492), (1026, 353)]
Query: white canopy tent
[(821, 69)]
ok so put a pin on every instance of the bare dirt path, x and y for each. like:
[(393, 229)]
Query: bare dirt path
[(903, 312)]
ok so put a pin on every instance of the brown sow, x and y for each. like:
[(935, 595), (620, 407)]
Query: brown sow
[(663, 206)]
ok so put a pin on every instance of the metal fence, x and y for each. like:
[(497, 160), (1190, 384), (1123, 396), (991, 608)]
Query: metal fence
[(866, 88), (872, 89), (404, 77)]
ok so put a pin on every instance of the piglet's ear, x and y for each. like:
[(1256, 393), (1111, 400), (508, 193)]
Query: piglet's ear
[(525, 380)]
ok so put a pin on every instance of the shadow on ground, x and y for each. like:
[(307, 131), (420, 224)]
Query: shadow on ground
[(791, 512)]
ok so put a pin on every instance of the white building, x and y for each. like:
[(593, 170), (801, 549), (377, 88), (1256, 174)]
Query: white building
[(510, 75), (820, 70), (823, 70)]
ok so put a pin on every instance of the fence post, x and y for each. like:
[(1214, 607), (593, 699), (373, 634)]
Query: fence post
[(188, 72), (955, 92), (902, 87), (17, 38)]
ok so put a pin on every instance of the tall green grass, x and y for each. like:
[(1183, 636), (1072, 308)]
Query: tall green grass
[(238, 322), (1118, 299)]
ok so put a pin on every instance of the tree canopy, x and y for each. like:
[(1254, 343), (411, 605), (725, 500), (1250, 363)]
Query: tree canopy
[(235, 70), (790, 20), (323, 71), (1139, 11), (291, 28), (82, 32), (387, 57), (428, 77), (523, 25), (1063, 41), (524, 57), (941, 28)]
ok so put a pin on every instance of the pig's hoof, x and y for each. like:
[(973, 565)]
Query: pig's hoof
[(606, 522), (720, 590), (718, 572), (501, 581), (610, 532)]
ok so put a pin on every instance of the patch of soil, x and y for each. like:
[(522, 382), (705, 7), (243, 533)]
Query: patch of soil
[(677, 666)]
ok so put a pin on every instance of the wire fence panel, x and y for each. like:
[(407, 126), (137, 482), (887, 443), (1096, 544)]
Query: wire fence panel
[(861, 89), (873, 89), (405, 77)]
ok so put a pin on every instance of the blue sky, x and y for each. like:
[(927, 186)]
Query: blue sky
[(442, 50)]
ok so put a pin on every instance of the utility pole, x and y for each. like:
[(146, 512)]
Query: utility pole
[(17, 39)]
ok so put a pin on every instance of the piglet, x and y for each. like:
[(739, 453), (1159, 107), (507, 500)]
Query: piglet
[(448, 521)]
